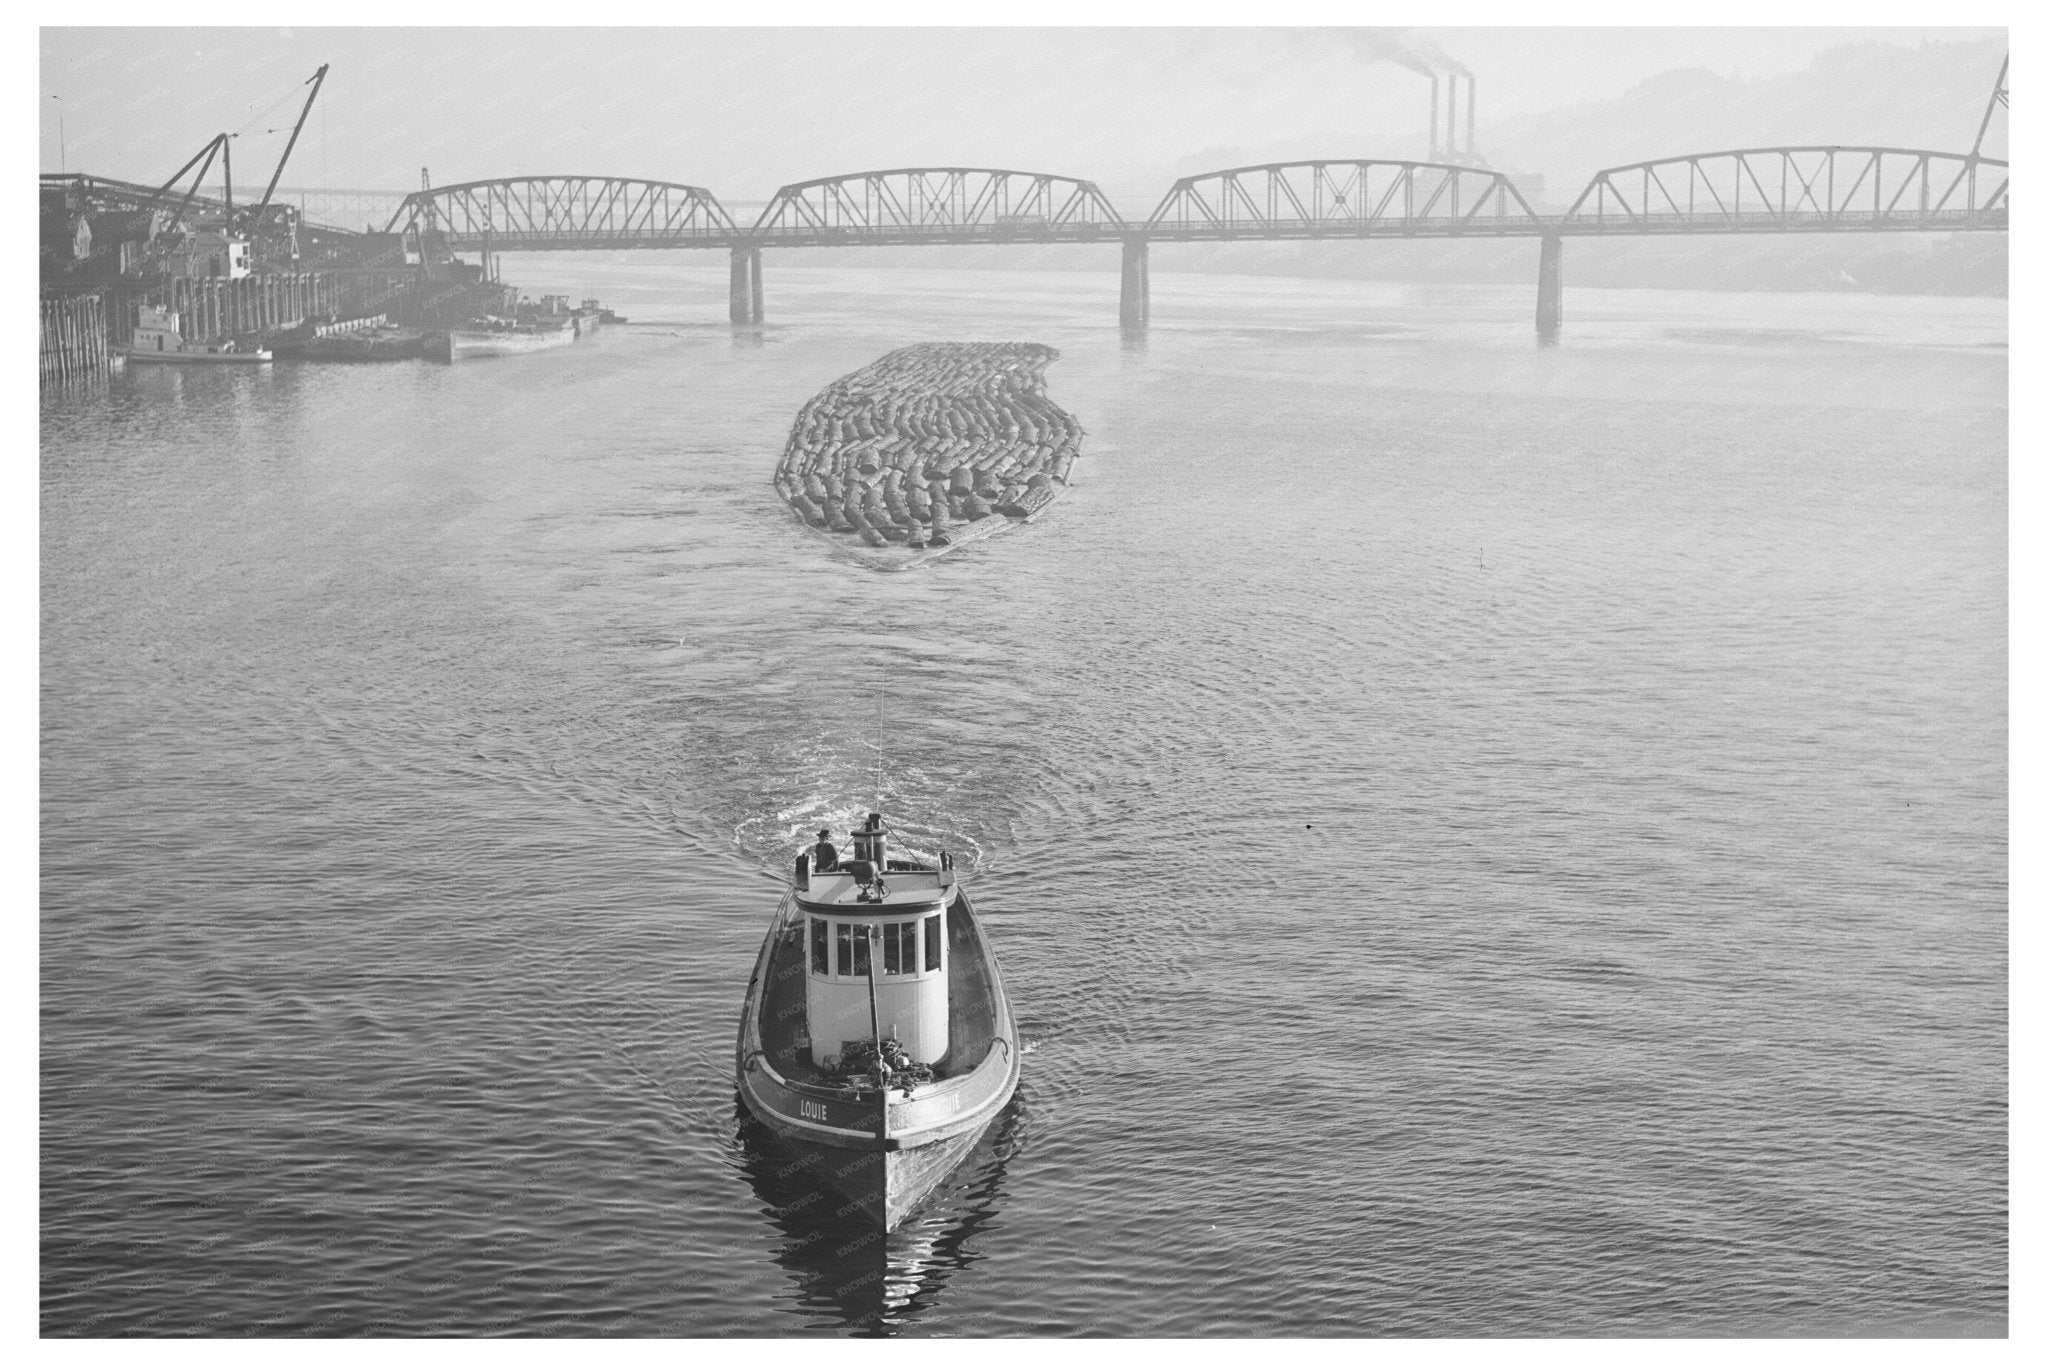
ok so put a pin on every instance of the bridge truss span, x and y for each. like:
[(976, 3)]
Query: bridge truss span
[(1796, 189), (567, 213), (1366, 198), (951, 204)]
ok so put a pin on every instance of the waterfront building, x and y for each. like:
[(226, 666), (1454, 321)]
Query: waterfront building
[(208, 254)]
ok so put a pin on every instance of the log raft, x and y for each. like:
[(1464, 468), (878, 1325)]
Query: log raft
[(930, 447)]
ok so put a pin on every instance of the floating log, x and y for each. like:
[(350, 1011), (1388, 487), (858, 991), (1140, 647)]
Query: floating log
[(929, 437)]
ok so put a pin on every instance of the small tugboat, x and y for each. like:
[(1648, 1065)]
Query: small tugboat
[(876, 1034), (157, 339)]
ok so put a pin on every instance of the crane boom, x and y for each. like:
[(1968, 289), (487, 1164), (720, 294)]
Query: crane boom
[(271, 188), (1998, 97), (207, 151), (212, 149)]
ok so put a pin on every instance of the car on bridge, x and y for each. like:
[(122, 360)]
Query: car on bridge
[(1024, 224)]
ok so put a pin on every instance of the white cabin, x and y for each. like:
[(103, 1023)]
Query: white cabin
[(875, 941), (207, 254), (156, 329)]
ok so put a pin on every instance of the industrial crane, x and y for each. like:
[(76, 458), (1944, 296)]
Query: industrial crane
[(270, 189), (252, 219)]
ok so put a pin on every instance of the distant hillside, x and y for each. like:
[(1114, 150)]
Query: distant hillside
[(1929, 96)]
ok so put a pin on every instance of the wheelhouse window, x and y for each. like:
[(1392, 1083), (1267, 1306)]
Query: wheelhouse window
[(899, 949), (843, 949)]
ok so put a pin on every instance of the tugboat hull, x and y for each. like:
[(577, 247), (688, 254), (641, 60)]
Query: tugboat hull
[(886, 1186), (884, 1178), (196, 357)]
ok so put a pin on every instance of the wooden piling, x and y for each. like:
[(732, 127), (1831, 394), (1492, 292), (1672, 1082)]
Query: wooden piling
[(73, 344), (81, 335)]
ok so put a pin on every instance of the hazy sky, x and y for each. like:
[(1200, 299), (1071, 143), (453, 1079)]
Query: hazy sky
[(745, 110)]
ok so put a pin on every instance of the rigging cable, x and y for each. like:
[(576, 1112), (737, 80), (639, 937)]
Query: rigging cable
[(269, 109)]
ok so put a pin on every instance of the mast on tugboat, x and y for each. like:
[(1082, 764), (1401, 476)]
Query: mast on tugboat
[(875, 1026)]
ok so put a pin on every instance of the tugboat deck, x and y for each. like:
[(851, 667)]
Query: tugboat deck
[(972, 1012)]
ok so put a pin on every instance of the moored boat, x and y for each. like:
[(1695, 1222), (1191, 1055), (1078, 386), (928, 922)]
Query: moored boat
[(359, 339), (876, 1032), (157, 339), (509, 336)]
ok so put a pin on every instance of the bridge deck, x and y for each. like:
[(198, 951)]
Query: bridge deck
[(1646, 225), (1746, 192)]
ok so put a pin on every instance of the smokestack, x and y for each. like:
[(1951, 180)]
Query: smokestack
[(1451, 118), (1471, 110), (1435, 87)]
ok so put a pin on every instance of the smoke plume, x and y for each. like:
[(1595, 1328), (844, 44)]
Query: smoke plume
[(1406, 47)]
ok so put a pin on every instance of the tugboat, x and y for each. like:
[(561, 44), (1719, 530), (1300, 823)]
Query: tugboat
[(876, 1034), (157, 338)]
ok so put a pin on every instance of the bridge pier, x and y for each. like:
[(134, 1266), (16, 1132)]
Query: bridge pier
[(1550, 288), (744, 299), (1134, 299)]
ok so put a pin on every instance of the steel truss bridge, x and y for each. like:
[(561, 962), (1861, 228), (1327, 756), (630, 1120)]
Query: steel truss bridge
[(1768, 189), (1746, 191), (567, 213), (951, 204), (1306, 200), (1795, 189), (1750, 190)]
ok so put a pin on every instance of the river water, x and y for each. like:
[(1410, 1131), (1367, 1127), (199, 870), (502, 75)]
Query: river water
[(1483, 839)]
